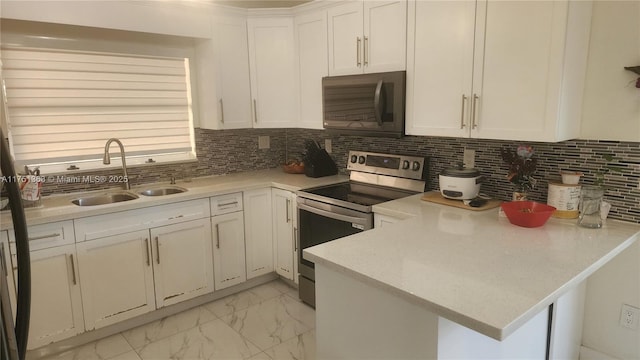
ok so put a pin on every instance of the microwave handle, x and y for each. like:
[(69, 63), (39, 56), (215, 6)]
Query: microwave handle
[(377, 105)]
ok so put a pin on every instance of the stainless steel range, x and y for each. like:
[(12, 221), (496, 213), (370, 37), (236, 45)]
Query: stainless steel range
[(330, 212)]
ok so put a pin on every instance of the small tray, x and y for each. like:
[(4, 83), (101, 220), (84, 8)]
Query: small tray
[(436, 197)]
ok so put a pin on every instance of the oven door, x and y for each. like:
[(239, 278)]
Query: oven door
[(318, 223), (321, 222)]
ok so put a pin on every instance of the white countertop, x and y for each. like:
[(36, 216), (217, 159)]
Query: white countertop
[(59, 207), (474, 268)]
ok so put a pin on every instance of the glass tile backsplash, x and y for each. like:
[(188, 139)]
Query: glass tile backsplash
[(232, 151)]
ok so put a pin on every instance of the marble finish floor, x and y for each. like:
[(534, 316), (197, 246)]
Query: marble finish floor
[(265, 322)]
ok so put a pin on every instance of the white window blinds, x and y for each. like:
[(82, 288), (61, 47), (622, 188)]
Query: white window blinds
[(64, 106)]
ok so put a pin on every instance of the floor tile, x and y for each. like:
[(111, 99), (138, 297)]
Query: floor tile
[(301, 347), (261, 356), (131, 355), (211, 341), (273, 321), (233, 303), (102, 349), (145, 334)]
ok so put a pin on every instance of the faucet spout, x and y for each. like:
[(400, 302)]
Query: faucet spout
[(107, 160)]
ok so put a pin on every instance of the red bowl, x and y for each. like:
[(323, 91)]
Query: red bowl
[(527, 213)]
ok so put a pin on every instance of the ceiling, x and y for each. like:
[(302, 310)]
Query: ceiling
[(262, 3)]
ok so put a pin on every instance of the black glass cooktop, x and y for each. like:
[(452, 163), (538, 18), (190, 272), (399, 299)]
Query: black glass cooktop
[(358, 193)]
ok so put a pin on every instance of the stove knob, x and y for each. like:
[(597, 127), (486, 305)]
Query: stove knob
[(354, 158), (416, 166), (405, 164), (361, 160)]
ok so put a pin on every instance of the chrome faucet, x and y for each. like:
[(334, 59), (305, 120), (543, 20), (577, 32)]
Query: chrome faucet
[(107, 160)]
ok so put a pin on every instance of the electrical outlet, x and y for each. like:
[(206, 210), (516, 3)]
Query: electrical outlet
[(327, 145), (264, 142), (469, 158), (629, 317)]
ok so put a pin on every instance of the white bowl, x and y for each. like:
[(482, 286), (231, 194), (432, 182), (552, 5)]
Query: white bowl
[(570, 177)]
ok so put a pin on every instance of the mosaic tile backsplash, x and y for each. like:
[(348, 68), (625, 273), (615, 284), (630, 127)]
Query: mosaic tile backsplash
[(576, 155), (232, 151)]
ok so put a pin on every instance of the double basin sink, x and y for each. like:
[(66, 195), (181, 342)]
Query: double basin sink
[(120, 196)]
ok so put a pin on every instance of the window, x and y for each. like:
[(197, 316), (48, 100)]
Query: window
[(64, 105)]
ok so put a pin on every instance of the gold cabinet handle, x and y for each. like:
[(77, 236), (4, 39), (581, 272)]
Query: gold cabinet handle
[(288, 217), (462, 124), (44, 236), (221, 112), (366, 51), (255, 111), (295, 240), (474, 110), (146, 250), (4, 263), (158, 248), (217, 236), (358, 41), (73, 270)]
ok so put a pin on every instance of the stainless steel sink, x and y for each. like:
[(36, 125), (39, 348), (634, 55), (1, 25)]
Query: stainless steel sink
[(163, 191), (105, 199)]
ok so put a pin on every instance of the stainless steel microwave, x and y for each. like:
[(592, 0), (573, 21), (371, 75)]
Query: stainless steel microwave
[(367, 105)]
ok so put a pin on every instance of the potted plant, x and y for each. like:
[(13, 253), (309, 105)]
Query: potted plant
[(522, 165), (593, 208)]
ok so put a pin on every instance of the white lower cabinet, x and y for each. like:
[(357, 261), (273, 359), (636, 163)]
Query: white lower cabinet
[(56, 305), (5, 258), (116, 275), (229, 265), (284, 232), (258, 226), (182, 261)]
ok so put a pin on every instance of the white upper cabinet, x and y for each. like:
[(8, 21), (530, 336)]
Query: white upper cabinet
[(311, 48), (232, 72), (367, 37), (274, 91), (502, 70), (224, 88)]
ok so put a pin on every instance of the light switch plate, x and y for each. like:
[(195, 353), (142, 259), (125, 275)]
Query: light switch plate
[(469, 158), (264, 142)]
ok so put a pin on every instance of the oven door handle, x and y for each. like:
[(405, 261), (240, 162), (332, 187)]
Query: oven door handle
[(331, 215)]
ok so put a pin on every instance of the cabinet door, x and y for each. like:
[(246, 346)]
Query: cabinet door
[(283, 209), (385, 36), (116, 278), (182, 261), (439, 65), (56, 305), (518, 68), (273, 79), (311, 44), (5, 259), (258, 232), (345, 24), (232, 72), (229, 267)]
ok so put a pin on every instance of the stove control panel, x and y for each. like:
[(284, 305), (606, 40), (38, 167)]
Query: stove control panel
[(411, 167)]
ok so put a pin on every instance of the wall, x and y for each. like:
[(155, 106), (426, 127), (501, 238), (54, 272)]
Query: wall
[(610, 96)]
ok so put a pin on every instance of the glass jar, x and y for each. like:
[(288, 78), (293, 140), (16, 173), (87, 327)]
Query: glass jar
[(590, 200)]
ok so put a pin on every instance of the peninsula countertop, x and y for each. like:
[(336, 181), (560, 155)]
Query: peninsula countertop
[(474, 268), (59, 207)]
